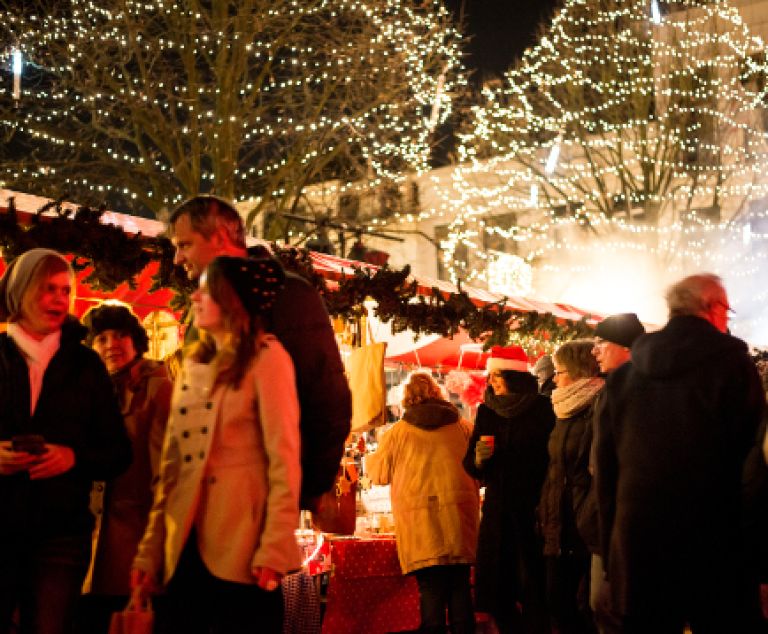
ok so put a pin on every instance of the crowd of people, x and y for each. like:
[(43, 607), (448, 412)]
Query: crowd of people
[(625, 483), (120, 479), (625, 476)]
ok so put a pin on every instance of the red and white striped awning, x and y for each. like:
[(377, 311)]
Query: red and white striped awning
[(329, 266), (335, 268)]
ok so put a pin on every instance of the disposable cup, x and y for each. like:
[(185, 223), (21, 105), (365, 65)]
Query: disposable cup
[(488, 440)]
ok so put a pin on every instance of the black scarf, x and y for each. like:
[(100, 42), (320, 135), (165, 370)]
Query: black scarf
[(121, 379), (523, 391)]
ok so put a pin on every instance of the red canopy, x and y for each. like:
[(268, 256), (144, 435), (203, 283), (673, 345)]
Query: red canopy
[(460, 352)]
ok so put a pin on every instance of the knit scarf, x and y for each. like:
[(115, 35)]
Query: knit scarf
[(509, 405), (122, 380), (37, 354), (570, 400)]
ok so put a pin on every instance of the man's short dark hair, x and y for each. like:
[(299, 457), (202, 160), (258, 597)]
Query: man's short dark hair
[(207, 213)]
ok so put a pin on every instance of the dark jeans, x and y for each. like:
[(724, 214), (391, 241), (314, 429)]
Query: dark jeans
[(442, 587), (42, 578), (568, 593), (196, 602)]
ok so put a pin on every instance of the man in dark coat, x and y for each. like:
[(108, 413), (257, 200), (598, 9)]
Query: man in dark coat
[(613, 340), (205, 227), (675, 428)]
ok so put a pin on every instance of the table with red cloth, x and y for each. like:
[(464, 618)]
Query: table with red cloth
[(367, 592)]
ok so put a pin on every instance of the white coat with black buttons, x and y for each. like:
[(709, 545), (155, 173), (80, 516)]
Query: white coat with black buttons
[(230, 468)]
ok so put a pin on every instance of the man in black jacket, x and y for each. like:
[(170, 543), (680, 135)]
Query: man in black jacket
[(205, 227), (673, 433), (614, 337)]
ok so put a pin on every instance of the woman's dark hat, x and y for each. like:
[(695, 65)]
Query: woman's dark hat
[(115, 317), (256, 282)]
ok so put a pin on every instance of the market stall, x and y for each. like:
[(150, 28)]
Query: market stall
[(412, 322)]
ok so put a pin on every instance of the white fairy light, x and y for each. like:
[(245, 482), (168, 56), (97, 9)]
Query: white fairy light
[(644, 143), (405, 58)]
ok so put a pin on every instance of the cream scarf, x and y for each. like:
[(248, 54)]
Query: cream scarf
[(570, 400), (38, 355)]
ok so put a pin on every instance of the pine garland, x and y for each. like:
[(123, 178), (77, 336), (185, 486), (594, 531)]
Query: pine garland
[(117, 257)]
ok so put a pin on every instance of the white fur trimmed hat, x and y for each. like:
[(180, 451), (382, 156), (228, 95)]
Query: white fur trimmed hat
[(507, 358)]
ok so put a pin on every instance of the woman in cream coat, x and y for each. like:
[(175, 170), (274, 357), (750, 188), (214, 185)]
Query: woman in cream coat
[(221, 532), (435, 503)]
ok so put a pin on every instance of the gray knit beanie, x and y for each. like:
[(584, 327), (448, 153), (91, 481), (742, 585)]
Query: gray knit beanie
[(544, 366), (17, 277)]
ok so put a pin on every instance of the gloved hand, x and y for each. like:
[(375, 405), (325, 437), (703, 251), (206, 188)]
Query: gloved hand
[(483, 451)]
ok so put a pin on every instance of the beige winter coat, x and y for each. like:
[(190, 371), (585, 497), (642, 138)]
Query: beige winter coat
[(230, 468), (434, 501)]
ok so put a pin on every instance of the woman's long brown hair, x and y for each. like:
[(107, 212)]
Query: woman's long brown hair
[(244, 331)]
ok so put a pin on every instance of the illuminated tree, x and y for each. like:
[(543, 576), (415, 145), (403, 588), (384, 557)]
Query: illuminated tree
[(632, 125), (149, 102)]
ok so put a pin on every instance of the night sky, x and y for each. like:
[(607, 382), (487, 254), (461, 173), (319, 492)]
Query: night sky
[(500, 30)]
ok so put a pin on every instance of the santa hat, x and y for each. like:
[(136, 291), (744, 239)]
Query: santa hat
[(507, 358)]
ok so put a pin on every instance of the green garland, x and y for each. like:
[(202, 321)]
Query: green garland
[(117, 257)]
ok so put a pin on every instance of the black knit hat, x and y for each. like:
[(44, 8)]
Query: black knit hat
[(115, 317), (621, 329), (256, 282)]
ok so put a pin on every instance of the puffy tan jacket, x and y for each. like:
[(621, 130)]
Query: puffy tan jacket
[(434, 501)]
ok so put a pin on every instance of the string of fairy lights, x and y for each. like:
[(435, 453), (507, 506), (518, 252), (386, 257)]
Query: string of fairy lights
[(625, 129), (268, 89), (632, 123)]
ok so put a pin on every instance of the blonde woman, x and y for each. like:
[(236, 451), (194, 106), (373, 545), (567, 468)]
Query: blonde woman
[(60, 428), (221, 532), (435, 502)]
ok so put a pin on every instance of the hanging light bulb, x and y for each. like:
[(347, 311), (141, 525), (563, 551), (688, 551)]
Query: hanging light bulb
[(17, 64), (554, 154), (746, 234), (655, 12), (435, 114), (533, 201)]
